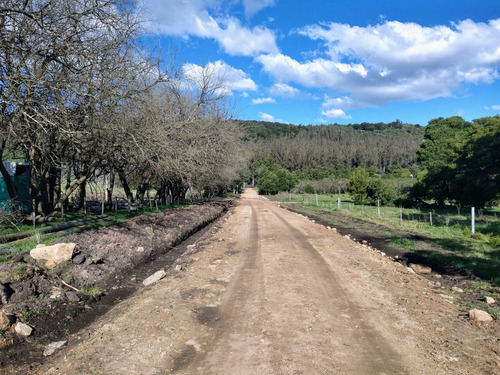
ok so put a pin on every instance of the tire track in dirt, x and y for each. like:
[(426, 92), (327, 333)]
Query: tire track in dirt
[(238, 321), (370, 351), (286, 311)]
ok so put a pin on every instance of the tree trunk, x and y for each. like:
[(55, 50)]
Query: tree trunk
[(70, 190), (126, 188), (82, 194), (32, 183), (110, 188), (141, 190)]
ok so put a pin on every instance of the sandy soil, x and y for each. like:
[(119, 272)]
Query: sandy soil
[(270, 292)]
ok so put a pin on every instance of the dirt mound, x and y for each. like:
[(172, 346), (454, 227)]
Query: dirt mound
[(107, 265)]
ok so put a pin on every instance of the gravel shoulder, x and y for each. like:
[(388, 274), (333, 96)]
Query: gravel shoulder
[(267, 291)]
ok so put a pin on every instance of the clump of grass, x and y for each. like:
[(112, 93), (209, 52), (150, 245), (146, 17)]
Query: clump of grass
[(401, 242), (494, 241), (92, 291)]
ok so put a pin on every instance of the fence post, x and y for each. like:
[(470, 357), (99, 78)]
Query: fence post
[(33, 205), (430, 218), (317, 200), (472, 221), (400, 214), (378, 207), (338, 202)]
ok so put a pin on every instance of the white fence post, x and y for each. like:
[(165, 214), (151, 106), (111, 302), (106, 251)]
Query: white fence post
[(472, 221)]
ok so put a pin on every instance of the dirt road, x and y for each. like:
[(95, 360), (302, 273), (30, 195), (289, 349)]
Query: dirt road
[(269, 292)]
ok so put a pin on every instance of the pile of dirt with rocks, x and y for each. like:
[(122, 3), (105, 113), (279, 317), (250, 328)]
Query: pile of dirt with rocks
[(106, 265)]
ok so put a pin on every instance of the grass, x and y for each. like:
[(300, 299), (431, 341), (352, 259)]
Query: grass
[(450, 230), (93, 290)]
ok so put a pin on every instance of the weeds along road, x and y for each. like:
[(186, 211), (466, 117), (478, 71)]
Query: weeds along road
[(269, 292)]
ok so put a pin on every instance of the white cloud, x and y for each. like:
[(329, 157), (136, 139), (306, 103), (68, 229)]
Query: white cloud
[(335, 113), (283, 90), (496, 107), (252, 7), (228, 78), (263, 100), (393, 61), (266, 117), (198, 18)]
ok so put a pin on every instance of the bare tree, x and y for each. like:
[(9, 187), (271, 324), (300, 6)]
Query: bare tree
[(67, 66)]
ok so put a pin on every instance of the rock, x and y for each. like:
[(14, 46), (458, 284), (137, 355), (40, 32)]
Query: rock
[(72, 297), (55, 292), (140, 249), (54, 254), (364, 242), (23, 329), (179, 267), (410, 270), (53, 346), (79, 259), (418, 268), (480, 316), (154, 277), (489, 300), (457, 289), (4, 320)]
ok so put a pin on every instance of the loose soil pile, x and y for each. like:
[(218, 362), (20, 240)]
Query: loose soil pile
[(107, 265)]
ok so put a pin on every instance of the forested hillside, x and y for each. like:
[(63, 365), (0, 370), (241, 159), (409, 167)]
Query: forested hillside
[(299, 147)]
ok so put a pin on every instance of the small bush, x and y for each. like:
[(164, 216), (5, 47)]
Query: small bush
[(309, 189)]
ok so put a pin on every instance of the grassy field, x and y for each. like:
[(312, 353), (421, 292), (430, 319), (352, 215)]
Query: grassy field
[(446, 228)]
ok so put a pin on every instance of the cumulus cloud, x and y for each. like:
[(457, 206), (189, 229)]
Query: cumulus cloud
[(392, 61), (496, 107), (199, 18), (223, 75), (252, 7), (263, 100), (283, 90), (266, 117), (335, 113)]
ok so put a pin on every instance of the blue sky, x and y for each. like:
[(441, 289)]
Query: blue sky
[(341, 61)]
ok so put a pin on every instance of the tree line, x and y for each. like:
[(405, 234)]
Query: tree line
[(456, 162), (83, 97), (304, 148)]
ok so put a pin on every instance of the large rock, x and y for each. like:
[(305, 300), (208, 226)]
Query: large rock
[(154, 277), (418, 268), (480, 316), (23, 329), (55, 254)]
